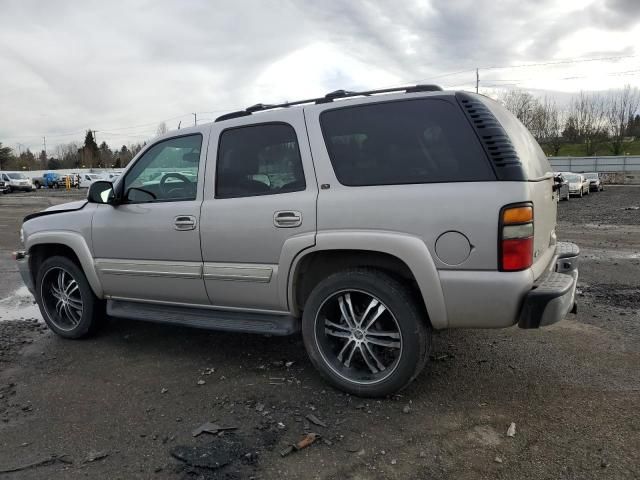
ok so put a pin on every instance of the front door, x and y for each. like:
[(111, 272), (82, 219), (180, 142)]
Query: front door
[(148, 247), (259, 210)]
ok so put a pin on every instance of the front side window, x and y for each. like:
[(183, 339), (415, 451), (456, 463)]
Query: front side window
[(168, 171), (258, 160), (403, 142), (16, 176)]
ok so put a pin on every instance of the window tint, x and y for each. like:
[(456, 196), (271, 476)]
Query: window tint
[(410, 141), (168, 171), (258, 160), (533, 159)]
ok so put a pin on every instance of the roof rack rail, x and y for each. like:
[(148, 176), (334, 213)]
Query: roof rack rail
[(328, 98)]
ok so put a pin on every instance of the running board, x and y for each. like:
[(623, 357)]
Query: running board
[(209, 319)]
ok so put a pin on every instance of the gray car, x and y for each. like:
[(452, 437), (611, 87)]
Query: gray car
[(595, 182), (363, 220)]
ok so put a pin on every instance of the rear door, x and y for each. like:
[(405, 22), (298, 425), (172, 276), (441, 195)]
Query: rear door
[(259, 208)]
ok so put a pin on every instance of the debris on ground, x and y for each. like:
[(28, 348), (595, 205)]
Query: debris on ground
[(208, 371), (511, 431), (164, 390), (632, 208), (308, 439), (52, 460), (211, 428), (288, 364), (315, 420), (201, 382), (95, 456), (406, 409), (497, 459)]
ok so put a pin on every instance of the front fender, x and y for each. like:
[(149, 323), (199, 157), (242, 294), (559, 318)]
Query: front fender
[(75, 242), (408, 248)]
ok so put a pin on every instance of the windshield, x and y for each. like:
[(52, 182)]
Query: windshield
[(16, 176), (591, 176), (572, 178)]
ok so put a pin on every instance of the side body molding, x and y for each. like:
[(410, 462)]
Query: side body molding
[(75, 242), (408, 248)]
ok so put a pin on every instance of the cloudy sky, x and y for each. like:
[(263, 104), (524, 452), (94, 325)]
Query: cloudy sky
[(123, 67)]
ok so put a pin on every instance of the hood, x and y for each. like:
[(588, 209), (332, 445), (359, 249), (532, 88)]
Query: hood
[(77, 205), (65, 207)]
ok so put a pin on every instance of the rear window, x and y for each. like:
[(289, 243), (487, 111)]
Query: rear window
[(533, 159), (402, 142)]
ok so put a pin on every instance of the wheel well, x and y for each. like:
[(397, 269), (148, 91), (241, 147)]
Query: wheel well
[(316, 266), (39, 253)]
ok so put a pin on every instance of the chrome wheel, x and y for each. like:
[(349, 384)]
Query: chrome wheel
[(358, 336), (61, 298)]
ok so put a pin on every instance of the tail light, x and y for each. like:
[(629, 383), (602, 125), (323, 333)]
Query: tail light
[(516, 238)]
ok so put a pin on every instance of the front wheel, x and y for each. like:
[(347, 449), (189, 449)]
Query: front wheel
[(67, 303), (365, 332)]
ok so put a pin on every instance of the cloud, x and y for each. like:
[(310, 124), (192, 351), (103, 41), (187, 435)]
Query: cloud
[(123, 67)]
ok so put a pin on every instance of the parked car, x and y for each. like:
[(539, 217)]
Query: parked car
[(578, 184), (327, 216), (86, 179), (595, 182), (562, 186), (16, 181)]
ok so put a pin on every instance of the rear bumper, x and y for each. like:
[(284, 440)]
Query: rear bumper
[(22, 259), (553, 295)]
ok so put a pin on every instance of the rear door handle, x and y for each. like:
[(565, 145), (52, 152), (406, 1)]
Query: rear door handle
[(184, 222), (287, 219)]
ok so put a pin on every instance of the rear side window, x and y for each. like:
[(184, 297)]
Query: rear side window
[(402, 142), (534, 161), (259, 160)]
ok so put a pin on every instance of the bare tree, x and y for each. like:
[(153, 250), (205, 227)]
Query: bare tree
[(548, 124), (523, 105), (162, 129), (588, 115), (621, 108)]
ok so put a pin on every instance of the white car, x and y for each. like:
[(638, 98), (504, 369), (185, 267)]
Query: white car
[(86, 179), (578, 183), (15, 181)]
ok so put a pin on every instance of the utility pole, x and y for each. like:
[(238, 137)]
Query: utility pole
[(179, 123), (195, 118), (477, 80), (44, 145)]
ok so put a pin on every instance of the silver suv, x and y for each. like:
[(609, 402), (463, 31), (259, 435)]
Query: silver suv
[(364, 219)]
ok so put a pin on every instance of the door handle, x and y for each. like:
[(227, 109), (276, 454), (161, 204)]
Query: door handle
[(287, 219), (184, 222)]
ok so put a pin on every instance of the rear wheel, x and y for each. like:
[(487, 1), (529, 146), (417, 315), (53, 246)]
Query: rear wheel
[(67, 303), (365, 333)]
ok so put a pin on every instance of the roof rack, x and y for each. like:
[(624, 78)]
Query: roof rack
[(328, 98)]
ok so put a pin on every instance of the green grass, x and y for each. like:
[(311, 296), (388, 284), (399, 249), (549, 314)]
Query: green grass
[(579, 149)]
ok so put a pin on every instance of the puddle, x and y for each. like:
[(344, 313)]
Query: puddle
[(20, 305)]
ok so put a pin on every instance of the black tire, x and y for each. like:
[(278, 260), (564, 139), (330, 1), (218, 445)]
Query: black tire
[(92, 309), (401, 310)]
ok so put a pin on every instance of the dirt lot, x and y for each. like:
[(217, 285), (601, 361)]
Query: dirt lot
[(124, 404)]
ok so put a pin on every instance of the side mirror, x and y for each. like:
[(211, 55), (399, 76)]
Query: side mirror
[(101, 191)]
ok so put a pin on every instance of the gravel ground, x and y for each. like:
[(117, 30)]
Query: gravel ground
[(124, 404)]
